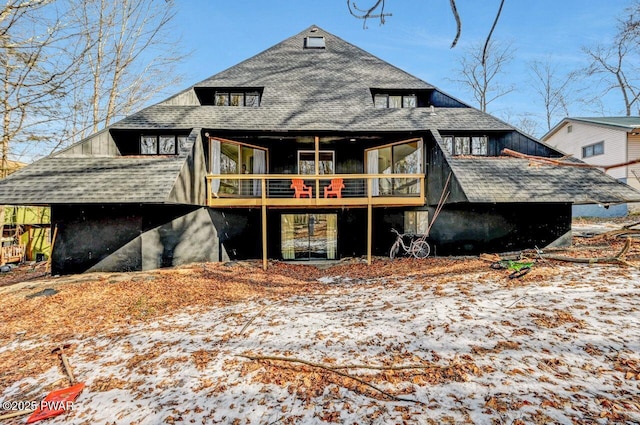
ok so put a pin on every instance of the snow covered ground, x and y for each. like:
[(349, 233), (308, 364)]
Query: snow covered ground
[(560, 346)]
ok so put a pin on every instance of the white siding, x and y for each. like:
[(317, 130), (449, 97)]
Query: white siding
[(615, 144), (632, 180)]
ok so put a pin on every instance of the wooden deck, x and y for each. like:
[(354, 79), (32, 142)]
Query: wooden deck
[(274, 190)]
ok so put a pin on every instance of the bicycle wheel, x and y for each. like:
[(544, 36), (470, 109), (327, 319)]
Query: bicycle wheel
[(420, 249), (394, 250)]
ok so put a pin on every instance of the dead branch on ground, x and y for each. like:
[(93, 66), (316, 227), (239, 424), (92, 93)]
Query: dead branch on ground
[(244, 328), (623, 231), (332, 369), (619, 258)]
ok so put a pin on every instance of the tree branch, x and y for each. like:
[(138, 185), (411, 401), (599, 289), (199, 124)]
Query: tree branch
[(333, 369)]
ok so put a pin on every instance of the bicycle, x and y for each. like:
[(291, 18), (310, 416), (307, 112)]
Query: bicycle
[(418, 247)]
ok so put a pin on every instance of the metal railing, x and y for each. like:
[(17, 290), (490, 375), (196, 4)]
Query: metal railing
[(278, 190)]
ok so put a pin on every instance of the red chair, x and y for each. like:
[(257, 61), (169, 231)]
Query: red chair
[(335, 188), (300, 188)]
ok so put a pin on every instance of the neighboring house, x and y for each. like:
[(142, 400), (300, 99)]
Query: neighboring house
[(25, 231), (602, 141), (237, 167)]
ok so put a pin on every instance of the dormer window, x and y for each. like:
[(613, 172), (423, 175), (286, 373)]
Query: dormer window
[(395, 99), (237, 98), (160, 145), (314, 42)]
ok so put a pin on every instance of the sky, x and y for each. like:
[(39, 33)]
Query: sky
[(416, 38)]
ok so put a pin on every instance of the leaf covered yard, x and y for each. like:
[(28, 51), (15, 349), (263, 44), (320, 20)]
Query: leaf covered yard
[(409, 341)]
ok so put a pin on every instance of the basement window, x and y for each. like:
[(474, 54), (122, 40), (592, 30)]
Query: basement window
[(314, 42), (416, 222), (593, 150)]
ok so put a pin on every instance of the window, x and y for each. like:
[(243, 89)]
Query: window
[(314, 42), (158, 145), (416, 222), (465, 145), (569, 128), (396, 159), (386, 100), (237, 98), (229, 158), (307, 162), (149, 145), (410, 101), (593, 150), (182, 142), (380, 101)]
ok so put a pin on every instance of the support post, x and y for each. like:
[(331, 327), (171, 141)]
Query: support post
[(369, 234), (317, 167), (264, 223), (369, 221)]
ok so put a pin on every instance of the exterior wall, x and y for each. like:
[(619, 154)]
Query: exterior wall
[(186, 98), (633, 171), (100, 144), (478, 228), (615, 144), (190, 186), (136, 237)]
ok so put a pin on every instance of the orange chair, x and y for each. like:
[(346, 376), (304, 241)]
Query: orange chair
[(335, 188), (300, 188)]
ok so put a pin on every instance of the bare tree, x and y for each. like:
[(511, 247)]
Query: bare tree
[(527, 122), (553, 90), (616, 63), (131, 53), (481, 78), (376, 11)]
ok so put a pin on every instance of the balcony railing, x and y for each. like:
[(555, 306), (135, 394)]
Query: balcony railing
[(247, 190)]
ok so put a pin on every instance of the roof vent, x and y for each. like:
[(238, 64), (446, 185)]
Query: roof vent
[(314, 42)]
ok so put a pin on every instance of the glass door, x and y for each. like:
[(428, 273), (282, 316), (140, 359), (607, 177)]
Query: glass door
[(309, 236)]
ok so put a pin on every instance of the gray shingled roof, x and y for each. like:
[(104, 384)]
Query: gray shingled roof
[(92, 180), (310, 90), (330, 117), (499, 180)]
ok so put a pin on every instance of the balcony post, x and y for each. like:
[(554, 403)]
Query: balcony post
[(369, 219), (263, 182), (317, 162)]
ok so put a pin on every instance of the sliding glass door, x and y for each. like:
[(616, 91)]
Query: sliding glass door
[(309, 236)]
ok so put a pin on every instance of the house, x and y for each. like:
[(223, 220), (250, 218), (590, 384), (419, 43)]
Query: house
[(25, 229), (602, 141), (313, 148)]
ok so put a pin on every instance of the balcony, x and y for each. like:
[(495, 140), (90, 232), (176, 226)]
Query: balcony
[(276, 190)]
